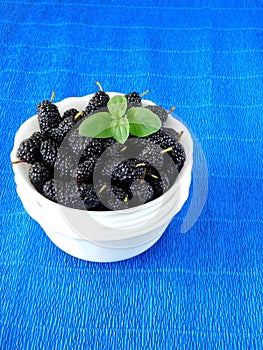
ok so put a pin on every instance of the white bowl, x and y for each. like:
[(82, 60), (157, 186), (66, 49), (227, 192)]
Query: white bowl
[(109, 235)]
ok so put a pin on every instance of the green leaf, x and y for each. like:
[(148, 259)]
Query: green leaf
[(120, 129), (143, 122), (117, 105), (97, 125)]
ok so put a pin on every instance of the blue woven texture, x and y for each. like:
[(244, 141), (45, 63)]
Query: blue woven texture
[(199, 290)]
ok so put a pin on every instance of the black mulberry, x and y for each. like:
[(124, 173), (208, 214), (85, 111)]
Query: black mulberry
[(48, 150), (48, 116), (29, 151), (97, 103), (161, 112), (133, 99), (39, 174)]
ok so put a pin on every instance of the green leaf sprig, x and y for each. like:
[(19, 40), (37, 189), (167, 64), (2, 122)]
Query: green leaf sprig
[(120, 122)]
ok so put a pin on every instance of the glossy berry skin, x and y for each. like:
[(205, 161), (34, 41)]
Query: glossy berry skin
[(133, 99), (49, 190), (161, 112), (67, 194), (97, 103), (122, 171), (178, 156), (120, 192), (160, 185), (77, 143), (37, 137), (89, 196), (39, 174), (161, 139), (64, 126), (114, 198), (177, 152), (105, 143), (152, 156), (64, 193), (84, 171), (93, 149), (166, 141), (171, 132), (29, 151), (65, 165), (128, 171), (48, 116), (48, 150), (70, 113), (114, 149), (106, 168), (142, 192), (58, 134)]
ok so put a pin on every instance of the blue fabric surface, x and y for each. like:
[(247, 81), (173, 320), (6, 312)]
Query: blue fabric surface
[(199, 290)]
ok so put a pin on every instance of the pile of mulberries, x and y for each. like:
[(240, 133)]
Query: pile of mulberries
[(99, 174)]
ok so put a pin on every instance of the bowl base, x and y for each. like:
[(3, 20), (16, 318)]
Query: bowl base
[(90, 251)]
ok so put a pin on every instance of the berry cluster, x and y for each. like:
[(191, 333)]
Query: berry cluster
[(99, 173)]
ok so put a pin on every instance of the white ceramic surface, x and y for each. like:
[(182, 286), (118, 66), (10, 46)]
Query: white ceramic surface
[(102, 236)]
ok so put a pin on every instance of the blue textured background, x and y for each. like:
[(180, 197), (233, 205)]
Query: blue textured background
[(199, 290)]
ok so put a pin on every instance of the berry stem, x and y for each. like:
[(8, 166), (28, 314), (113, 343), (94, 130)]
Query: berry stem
[(166, 150), (180, 136), (144, 174), (171, 110), (52, 96), (18, 162), (145, 92), (140, 164), (103, 188), (78, 115), (99, 85)]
